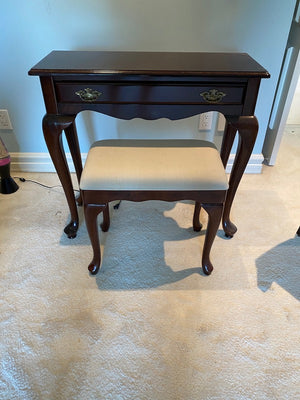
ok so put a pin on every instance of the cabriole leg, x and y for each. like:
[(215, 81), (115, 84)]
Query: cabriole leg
[(53, 125), (214, 212), (197, 226), (91, 212), (247, 128), (106, 220), (227, 142), (72, 139)]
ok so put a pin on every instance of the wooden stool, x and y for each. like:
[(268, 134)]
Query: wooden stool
[(139, 170)]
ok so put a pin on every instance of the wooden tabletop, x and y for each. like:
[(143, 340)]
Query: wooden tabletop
[(154, 63)]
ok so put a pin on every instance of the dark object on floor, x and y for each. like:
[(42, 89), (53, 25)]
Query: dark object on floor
[(7, 185)]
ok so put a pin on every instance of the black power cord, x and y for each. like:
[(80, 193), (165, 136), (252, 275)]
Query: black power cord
[(116, 206), (39, 183)]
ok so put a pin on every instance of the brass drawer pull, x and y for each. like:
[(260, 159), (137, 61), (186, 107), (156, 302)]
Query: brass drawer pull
[(88, 95), (213, 96)]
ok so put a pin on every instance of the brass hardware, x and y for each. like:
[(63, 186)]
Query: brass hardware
[(88, 95), (213, 96)]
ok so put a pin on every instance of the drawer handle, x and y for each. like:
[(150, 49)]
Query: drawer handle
[(213, 96), (88, 95)]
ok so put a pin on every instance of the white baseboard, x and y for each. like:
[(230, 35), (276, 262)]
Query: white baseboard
[(41, 162), (292, 129), (37, 162), (254, 165)]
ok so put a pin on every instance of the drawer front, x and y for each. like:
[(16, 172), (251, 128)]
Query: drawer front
[(88, 92)]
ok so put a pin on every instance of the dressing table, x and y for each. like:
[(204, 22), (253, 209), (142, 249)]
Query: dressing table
[(148, 85)]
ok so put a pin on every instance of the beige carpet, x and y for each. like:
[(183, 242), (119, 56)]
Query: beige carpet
[(150, 325)]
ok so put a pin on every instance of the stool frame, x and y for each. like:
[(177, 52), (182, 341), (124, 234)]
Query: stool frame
[(97, 201)]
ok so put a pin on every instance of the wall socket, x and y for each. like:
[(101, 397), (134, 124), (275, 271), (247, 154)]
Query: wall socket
[(205, 121), (4, 120)]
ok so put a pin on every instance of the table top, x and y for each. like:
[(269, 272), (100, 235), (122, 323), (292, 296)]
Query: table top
[(153, 63)]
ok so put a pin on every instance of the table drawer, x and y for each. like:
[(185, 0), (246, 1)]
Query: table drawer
[(148, 94)]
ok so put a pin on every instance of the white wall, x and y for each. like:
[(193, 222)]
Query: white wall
[(30, 29)]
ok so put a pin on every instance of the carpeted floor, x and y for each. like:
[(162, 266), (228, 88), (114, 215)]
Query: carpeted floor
[(150, 325)]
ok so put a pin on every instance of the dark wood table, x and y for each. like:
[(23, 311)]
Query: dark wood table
[(148, 85)]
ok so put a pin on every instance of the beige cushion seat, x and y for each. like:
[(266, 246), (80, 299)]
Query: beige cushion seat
[(140, 170), (153, 165)]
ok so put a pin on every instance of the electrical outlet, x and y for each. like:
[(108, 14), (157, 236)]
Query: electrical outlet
[(4, 120), (205, 121)]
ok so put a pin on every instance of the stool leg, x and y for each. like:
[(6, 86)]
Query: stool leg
[(91, 212), (214, 212), (106, 220), (197, 226)]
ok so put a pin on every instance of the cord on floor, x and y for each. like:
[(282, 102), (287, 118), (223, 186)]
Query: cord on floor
[(116, 206), (39, 183)]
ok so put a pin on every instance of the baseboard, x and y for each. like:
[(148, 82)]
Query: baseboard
[(41, 162), (37, 162), (292, 129), (254, 165)]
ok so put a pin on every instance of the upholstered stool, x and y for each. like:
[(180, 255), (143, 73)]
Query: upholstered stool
[(139, 170)]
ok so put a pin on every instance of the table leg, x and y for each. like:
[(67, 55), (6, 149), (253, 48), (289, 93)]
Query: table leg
[(227, 142), (72, 139), (53, 125), (247, 128)]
